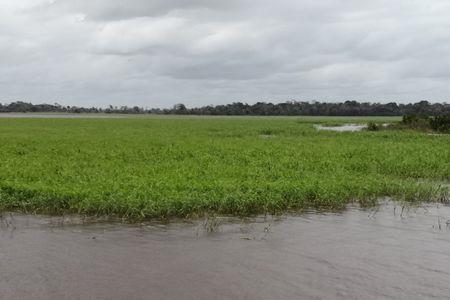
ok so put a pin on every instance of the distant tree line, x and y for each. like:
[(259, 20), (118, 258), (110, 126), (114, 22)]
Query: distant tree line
[(291, 108)]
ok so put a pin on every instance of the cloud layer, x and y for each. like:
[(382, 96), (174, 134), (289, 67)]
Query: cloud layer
[(160, 52)]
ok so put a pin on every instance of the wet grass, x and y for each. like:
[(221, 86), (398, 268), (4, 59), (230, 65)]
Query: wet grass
[(142, 168)]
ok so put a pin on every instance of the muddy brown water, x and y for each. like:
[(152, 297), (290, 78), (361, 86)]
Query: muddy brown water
[(380, 253)]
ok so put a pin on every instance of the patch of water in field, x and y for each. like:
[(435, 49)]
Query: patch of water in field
[(389, 252), (342, 128)]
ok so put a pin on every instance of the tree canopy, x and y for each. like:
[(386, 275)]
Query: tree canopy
[(290, 108)]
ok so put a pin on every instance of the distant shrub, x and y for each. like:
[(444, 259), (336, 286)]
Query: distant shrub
[(416, 121), (371, 126), (440, 123)]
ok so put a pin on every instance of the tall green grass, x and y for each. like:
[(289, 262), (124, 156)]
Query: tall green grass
[(164, 167)]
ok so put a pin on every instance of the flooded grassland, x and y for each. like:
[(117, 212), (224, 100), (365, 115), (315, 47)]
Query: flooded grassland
[(141, 168)]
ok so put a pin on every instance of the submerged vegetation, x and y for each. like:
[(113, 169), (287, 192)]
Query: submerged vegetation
[(164, 167), (372, 126)]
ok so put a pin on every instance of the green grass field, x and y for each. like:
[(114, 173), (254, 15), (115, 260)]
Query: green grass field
[(156, 167)]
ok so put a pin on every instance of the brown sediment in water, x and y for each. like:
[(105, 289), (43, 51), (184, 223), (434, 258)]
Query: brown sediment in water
[(390, 251)]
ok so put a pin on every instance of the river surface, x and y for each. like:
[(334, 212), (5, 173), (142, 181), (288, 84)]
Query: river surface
[(389, 252), (59, 116)]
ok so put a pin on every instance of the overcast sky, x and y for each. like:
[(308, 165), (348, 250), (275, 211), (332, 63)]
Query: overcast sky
[(155, 53)]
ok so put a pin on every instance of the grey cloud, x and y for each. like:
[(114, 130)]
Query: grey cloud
[(106, 10), (156, 53)]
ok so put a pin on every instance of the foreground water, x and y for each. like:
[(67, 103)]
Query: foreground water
[(391, 252)]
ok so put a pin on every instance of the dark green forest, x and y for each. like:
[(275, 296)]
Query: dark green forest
[(290, 108)]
